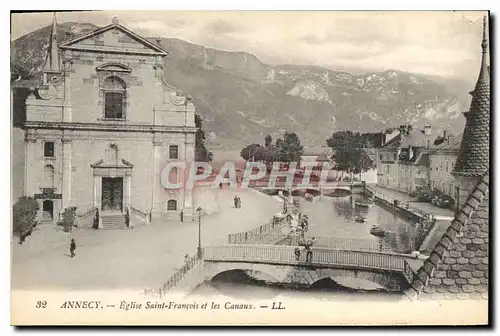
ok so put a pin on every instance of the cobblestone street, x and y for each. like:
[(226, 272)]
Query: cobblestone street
[(133, 259)]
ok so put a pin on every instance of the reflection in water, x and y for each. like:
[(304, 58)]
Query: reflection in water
[(335, 217)]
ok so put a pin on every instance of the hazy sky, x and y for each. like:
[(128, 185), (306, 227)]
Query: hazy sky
[(435, 43)]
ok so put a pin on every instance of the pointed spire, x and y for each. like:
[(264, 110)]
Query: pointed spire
[(484, 76), (52, 63), (473, 158)]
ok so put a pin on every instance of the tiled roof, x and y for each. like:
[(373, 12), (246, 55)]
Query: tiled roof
[(457, 268), (473, 159), (453, 144), (394, 142), (416, 138)]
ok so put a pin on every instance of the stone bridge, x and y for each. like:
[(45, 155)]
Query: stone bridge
[(313, 188), (277, 264)]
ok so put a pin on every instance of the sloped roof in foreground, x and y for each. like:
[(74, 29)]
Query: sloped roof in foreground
[(457, 268)]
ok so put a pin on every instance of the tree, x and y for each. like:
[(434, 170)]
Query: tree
[(268, 140), (24, 215), (349, 151), (201, 152), (68, 219), (289, 148), (250, 151), (362, 162)]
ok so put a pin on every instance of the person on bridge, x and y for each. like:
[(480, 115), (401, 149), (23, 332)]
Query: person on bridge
[(308, 246), (297, 253)]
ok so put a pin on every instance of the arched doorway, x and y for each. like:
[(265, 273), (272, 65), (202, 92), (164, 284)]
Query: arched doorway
[(48, 210)]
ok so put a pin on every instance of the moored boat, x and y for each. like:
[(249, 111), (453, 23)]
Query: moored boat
[(377, 231), (360, 219), (363, 205)]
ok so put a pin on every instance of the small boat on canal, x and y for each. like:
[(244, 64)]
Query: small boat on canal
[(360, 219), (377, 231), (363, 204), (308, 197)]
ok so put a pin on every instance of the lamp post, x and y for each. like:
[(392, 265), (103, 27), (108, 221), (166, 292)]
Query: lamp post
[(199, 231)]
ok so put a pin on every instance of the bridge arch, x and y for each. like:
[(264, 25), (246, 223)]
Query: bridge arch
[(300, 275), (303, 191)]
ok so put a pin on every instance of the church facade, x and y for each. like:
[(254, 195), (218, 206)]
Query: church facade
[(102, 126)]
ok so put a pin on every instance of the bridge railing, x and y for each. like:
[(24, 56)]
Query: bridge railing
[(321, 257), (356, 244), (350, 244), (263, 234), (189, 264)]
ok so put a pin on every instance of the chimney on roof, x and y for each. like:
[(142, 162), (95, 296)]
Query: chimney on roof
[(427, 129)]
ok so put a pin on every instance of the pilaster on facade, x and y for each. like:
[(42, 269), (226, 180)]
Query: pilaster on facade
[(67, 169), (67, 66)]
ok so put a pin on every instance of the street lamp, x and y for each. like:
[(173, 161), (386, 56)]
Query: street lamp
[(199, 231)]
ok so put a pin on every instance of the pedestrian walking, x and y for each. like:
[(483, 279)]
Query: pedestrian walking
[(239, 202), (72, 248), (235, 200)]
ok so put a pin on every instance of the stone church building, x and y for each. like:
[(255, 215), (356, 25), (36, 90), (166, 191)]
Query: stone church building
[(103, 125)]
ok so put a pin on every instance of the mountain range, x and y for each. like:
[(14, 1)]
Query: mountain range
[(242, 99)]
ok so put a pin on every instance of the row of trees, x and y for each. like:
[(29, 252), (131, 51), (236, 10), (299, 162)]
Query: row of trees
[(286, 149), (350, 150)]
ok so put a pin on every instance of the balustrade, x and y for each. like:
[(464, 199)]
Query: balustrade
[(285, 255)]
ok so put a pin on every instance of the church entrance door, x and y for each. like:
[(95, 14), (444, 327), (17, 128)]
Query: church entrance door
[(112, 194)]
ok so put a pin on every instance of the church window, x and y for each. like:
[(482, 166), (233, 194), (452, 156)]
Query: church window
[(172, 205), (174, 152), (114, 90), (48, 149)]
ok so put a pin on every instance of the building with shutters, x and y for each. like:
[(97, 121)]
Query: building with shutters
[(102, 124), (403, 161)]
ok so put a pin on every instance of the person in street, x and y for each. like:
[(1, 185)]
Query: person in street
[(239, 202), (220, 185), (297, 254), (235, 201), (72, 247)]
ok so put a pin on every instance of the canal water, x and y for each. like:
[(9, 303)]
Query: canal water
[(335, 217), (329, 216)]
